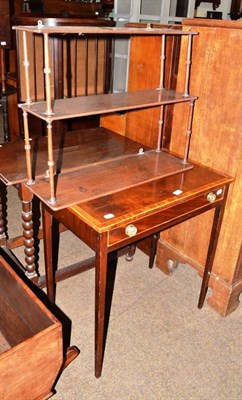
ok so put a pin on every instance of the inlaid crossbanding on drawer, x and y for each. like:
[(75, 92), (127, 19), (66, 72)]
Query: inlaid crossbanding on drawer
[(160, 220)]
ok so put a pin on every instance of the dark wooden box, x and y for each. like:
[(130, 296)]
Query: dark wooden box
[(31, 350)]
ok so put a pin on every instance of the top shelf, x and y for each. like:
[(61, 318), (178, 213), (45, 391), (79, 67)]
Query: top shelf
[(86, 30)]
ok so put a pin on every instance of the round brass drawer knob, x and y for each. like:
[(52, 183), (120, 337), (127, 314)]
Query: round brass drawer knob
[(211, 197), (131, 230)]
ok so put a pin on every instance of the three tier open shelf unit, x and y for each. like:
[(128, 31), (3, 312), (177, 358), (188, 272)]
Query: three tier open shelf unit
[(108, 175)]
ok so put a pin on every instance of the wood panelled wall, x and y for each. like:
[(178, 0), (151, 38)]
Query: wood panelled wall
[(217, 143)]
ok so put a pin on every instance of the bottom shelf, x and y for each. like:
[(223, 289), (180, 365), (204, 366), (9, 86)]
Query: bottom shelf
[(110, 176)]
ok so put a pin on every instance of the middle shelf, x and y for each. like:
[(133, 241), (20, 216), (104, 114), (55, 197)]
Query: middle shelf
[(109, 176), (105, 103)]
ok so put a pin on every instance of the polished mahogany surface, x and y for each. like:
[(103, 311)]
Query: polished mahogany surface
[(105, 103), (98, 179)]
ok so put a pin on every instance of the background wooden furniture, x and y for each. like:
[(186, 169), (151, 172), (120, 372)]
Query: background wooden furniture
[(6, 11), (236, 9), (216, 79), (5, 92), (64, 8), (72, 7)]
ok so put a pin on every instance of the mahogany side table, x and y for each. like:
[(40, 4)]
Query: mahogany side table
[(109, 222)]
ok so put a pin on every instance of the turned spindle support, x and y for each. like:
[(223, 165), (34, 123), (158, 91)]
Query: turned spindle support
[(159, 145), (188, 66), (47, 72), (189, 132), (51, 163), (27, 147), (163, 61), (28, 234), (26, 68)]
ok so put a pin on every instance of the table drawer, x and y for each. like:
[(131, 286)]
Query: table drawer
[(159, 220)]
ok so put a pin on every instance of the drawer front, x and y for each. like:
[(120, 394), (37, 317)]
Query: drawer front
[(160, 220)]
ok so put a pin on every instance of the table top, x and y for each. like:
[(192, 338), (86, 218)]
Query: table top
[(126, 206)]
